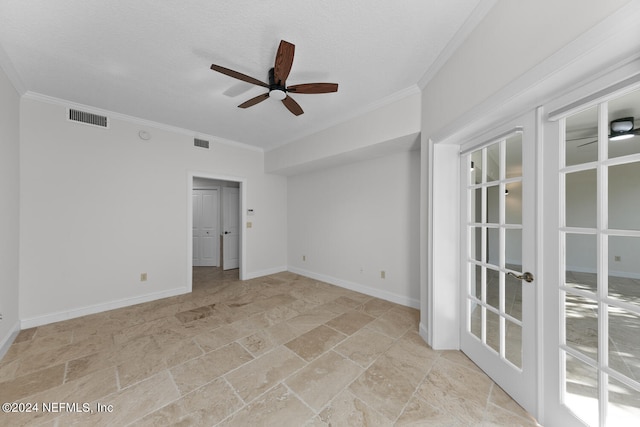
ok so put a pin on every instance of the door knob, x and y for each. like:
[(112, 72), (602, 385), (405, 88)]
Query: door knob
[(526, 276)]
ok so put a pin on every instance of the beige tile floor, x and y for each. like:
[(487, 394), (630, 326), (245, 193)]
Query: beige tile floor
[(282, 350)]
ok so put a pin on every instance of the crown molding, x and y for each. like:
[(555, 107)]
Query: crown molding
[(132, 119)]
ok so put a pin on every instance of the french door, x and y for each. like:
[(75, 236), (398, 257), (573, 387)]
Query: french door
[(592, 306), (498, 297)]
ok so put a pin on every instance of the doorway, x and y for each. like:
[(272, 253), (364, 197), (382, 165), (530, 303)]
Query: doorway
[(214, 214)]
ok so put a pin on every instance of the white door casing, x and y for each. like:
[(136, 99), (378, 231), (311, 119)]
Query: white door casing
[(230, 227), (498, 240)]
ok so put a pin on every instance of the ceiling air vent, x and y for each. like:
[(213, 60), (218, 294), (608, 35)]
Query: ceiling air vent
[(200, 143), (88, 118)]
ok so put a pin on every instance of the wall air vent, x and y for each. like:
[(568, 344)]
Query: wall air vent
[(200, 143), (88, 118)]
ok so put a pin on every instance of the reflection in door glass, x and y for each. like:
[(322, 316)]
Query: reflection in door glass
[(624, 404), (624, 348), (624, 269), (493, 162), (582, 390), (493, 331), (622, 140), (513, 343), (476, 167), (513, 203), (624, 196), (582, 137), (581, 322), (581, 261), (581, 200), (514, 156)]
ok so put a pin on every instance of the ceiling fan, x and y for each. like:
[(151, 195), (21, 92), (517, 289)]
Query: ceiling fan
[(619, 129), (277, 85)]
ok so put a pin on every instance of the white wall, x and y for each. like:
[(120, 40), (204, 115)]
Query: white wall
[(489, 74), (9, 210), (101, 206), (353, 221)]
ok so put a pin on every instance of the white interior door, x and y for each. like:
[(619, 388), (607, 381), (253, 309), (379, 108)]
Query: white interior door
[(592, 309), (206, 246), (230, 227), (499, 245)]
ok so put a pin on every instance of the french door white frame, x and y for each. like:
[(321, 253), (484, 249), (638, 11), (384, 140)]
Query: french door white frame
[(625, 79), (520, 382)]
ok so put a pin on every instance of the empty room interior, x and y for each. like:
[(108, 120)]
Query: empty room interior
[(366, 213)]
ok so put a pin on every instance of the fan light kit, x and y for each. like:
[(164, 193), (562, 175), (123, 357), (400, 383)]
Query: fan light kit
[(621, 129), (277, 81)]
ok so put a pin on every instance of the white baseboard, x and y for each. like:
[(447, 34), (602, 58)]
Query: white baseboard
[(8, 340), (424, 333), (260, 273), (98, 308), (367, 290)]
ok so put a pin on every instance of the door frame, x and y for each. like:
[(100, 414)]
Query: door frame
[(189, 229), (619, 80)]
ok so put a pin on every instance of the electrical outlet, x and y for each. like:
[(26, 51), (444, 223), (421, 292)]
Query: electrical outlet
[(304, 257), (383, 274), (617, 258), (249, 224), (143, 277)]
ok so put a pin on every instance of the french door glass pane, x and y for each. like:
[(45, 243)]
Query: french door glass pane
[(582, 137), (493, 330), (493, 288), (513, 203), (475, 313), (493, 246), (624, 404), (581, 261), (581, 320), (619, 109), (581, 200), (513, 248), (624, 196), (493, 162), (514, 156), (475, 243), (513, 297), (476, 281), (624, 347), (476, 205), (513, 349), (581, 389), (624, 269), (493, 204), (476, 167)]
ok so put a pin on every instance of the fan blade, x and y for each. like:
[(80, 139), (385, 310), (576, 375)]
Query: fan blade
[(292, 106), (237, 75), (314, 88), (254, 101), (284, 61), (587, 143), (578, 139)]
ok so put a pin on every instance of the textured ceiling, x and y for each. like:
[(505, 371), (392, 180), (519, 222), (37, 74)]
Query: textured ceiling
[(150, 59)]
